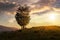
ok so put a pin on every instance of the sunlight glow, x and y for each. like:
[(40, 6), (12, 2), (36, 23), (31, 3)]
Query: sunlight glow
[(52, 17)]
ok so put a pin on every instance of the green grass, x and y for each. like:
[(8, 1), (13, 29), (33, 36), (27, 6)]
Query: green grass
[(37, 33)]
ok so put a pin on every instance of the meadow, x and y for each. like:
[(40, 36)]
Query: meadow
[(34, 33)]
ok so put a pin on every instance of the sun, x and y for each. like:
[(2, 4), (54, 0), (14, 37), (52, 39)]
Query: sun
[(52, 16)]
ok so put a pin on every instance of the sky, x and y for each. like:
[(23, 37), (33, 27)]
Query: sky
[(43, 12)]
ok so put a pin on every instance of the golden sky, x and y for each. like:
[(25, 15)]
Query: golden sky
[(43, 12)]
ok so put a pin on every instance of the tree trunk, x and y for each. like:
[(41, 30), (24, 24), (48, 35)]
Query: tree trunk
[(23, 27)]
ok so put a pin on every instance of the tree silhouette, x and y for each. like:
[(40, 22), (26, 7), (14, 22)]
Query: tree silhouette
[(22, 16)]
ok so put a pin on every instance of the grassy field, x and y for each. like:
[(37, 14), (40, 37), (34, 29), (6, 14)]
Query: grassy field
[(35, 33)]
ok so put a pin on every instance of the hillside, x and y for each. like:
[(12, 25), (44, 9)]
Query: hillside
[(35, 33), (4, 28)]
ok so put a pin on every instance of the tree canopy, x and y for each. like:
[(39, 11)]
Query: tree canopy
[(22, 16)]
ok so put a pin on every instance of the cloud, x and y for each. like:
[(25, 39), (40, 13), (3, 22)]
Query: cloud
[(51, 3), (57, 4), (24, 1), (6, 6), (44, 2), (41, 13), (39, 3), (36, 4)]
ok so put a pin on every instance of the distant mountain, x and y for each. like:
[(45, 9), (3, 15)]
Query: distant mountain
[(4, 28)]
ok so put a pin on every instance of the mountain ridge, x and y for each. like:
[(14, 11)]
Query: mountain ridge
[(4, 28)]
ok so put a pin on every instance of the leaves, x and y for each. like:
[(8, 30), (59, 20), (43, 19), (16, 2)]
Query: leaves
[(22, 16)]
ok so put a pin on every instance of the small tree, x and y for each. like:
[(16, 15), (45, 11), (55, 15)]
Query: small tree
[(22, 16)]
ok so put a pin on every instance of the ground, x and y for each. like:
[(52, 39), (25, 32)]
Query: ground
[(35, 33)]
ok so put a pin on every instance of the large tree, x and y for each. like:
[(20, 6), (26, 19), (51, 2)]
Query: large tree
[(22, 16)]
